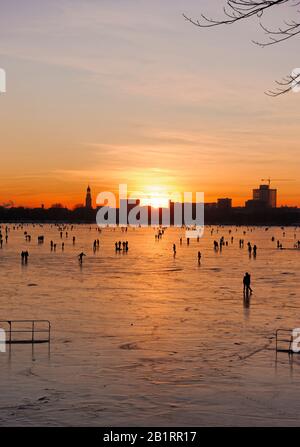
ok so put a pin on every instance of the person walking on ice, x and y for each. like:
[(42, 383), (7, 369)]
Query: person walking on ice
[(247, 284), (80, 257)]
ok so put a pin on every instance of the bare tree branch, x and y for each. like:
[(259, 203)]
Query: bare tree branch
[(239, 10), (287, 84)]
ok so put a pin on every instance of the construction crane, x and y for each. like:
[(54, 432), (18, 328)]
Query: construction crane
[(277, 180)]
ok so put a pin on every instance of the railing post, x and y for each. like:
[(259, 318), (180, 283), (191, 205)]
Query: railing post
[(32, 337)]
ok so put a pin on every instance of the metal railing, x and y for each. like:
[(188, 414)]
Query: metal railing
[(15, 328), (282, 337)]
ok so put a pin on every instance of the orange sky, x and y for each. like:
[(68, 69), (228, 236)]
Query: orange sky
[(108, 93)]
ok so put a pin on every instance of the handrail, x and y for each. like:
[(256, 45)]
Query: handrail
[(290, 340), (33, 330)]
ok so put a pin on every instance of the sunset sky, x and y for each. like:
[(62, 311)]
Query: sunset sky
[(103, 92)]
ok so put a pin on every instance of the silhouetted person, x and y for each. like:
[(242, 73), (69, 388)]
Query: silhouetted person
[(247, 283), (80, 257), (199, 257), (24, 257), (249, 248), (174, 249), (254, 250)]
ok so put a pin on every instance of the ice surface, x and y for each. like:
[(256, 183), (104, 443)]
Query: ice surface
[(143, 338)]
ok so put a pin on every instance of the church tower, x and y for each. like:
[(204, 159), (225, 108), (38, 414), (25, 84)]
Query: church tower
[(88, 199)]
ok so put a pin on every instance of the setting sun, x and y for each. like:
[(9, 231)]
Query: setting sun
[(156, 202), (155, 196)]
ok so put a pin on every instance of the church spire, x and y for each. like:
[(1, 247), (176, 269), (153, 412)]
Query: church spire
[(88, 199)]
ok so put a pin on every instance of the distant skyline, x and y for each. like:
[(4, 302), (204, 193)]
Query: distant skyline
[(108, 92), (156, 200)]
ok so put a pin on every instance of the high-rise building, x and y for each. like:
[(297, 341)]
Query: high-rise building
[(88, 199), (266, 195)]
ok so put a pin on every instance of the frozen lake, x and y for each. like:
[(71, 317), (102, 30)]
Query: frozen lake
[(143, 338)]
